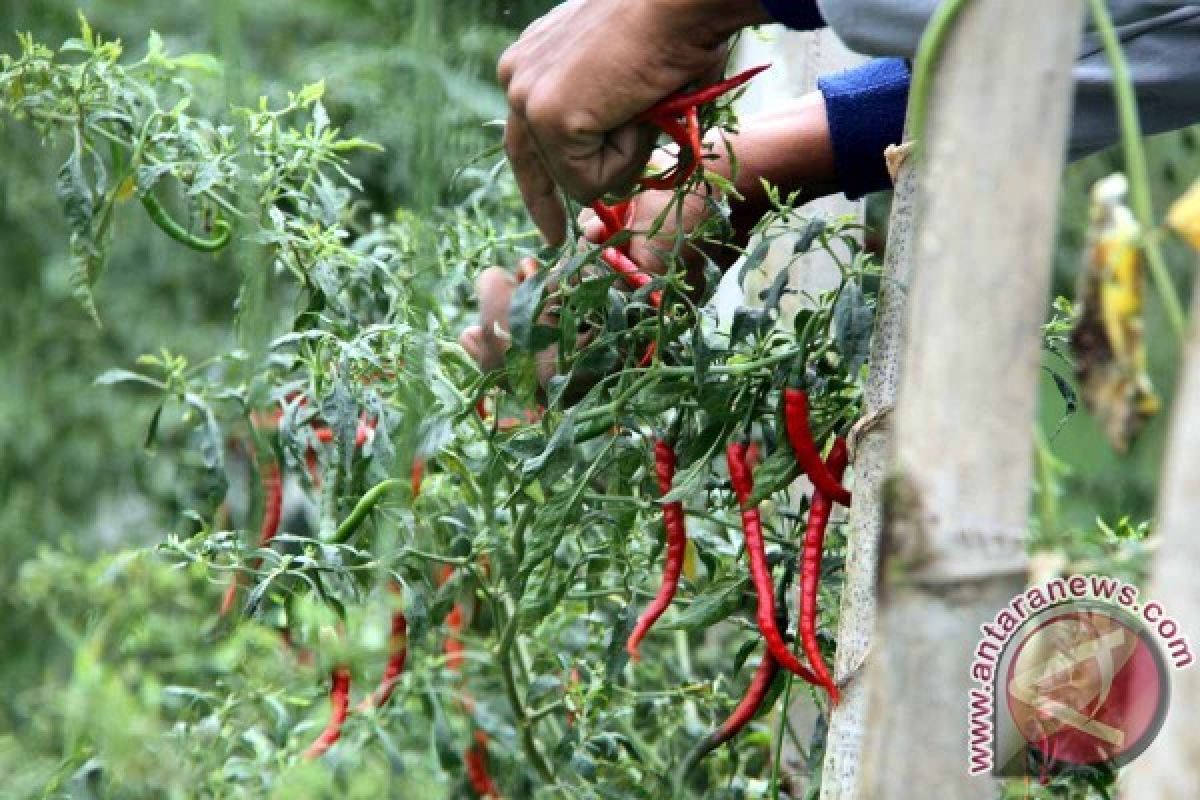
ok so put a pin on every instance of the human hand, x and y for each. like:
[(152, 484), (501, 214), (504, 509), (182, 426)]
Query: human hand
[(579, 76), (788, 147)]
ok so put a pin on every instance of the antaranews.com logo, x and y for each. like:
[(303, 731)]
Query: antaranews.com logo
[(1073, 673)]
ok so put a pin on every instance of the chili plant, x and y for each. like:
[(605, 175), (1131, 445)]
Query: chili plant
[(462, 555)]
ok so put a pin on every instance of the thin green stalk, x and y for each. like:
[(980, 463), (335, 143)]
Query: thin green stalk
[(777, 761), (929, 53), (1135, 165), (504, 656)]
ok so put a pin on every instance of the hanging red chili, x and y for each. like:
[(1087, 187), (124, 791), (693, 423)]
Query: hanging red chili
[(397, 655), (339, 703), (675, 524), (808, 455), (272, 484), (760, 571), (453, 646), (810, 569), (476, 762), (747, 709), (417, 476)]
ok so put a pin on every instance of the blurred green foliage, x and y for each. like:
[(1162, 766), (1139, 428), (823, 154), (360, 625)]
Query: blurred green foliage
[(416, 76)]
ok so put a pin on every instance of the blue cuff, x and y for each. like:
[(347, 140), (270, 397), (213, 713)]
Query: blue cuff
[(865, 107), (801, 15)]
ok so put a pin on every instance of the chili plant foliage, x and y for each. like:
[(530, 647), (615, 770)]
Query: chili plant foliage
[(441, 599)]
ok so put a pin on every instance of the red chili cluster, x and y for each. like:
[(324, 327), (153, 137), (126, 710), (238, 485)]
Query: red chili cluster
[(826, 476)]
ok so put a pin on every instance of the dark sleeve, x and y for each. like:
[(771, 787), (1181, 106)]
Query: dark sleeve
[(865, 107), (802, 15)]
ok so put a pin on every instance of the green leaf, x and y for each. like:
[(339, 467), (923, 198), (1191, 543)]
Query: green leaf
[(114, 376), (812, 231), (556, 458), (75, 193), (719, 603), (87, 266), (853, 321), (524, 309), (775, 473), (772, 296)]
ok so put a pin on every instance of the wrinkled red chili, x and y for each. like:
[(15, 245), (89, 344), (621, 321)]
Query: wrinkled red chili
[(760, 571), (810, 569), (339, 703), (808, 455), (675, 525)]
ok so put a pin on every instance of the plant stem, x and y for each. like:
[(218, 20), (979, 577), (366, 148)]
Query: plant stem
[(777, 761), (1135, 165)]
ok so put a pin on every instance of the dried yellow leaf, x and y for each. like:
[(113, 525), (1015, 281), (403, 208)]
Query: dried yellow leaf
[(1184, 216)]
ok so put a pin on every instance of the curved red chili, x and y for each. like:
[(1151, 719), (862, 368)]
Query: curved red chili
[(339, 703), (741, 716), (810, 569), (397, 655), (272, 484), (760, 572), (808, 455), (675, 525)]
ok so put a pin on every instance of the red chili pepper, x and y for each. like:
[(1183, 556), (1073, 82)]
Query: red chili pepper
[(339, 702), (675, 524), (687, 136), (609, 218), (397, 655), (648, 356), (680, 102), (760, 572), (810, 569), (631, 272), (417, 476), (795, 412), (742, 715), (475, 761), (453, 646), (272, 484)]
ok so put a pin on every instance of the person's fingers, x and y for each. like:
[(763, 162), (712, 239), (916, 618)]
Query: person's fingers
[(591, 226), (495, 288), (471, 340), (589, 162), (527, 267), (537, 187)]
